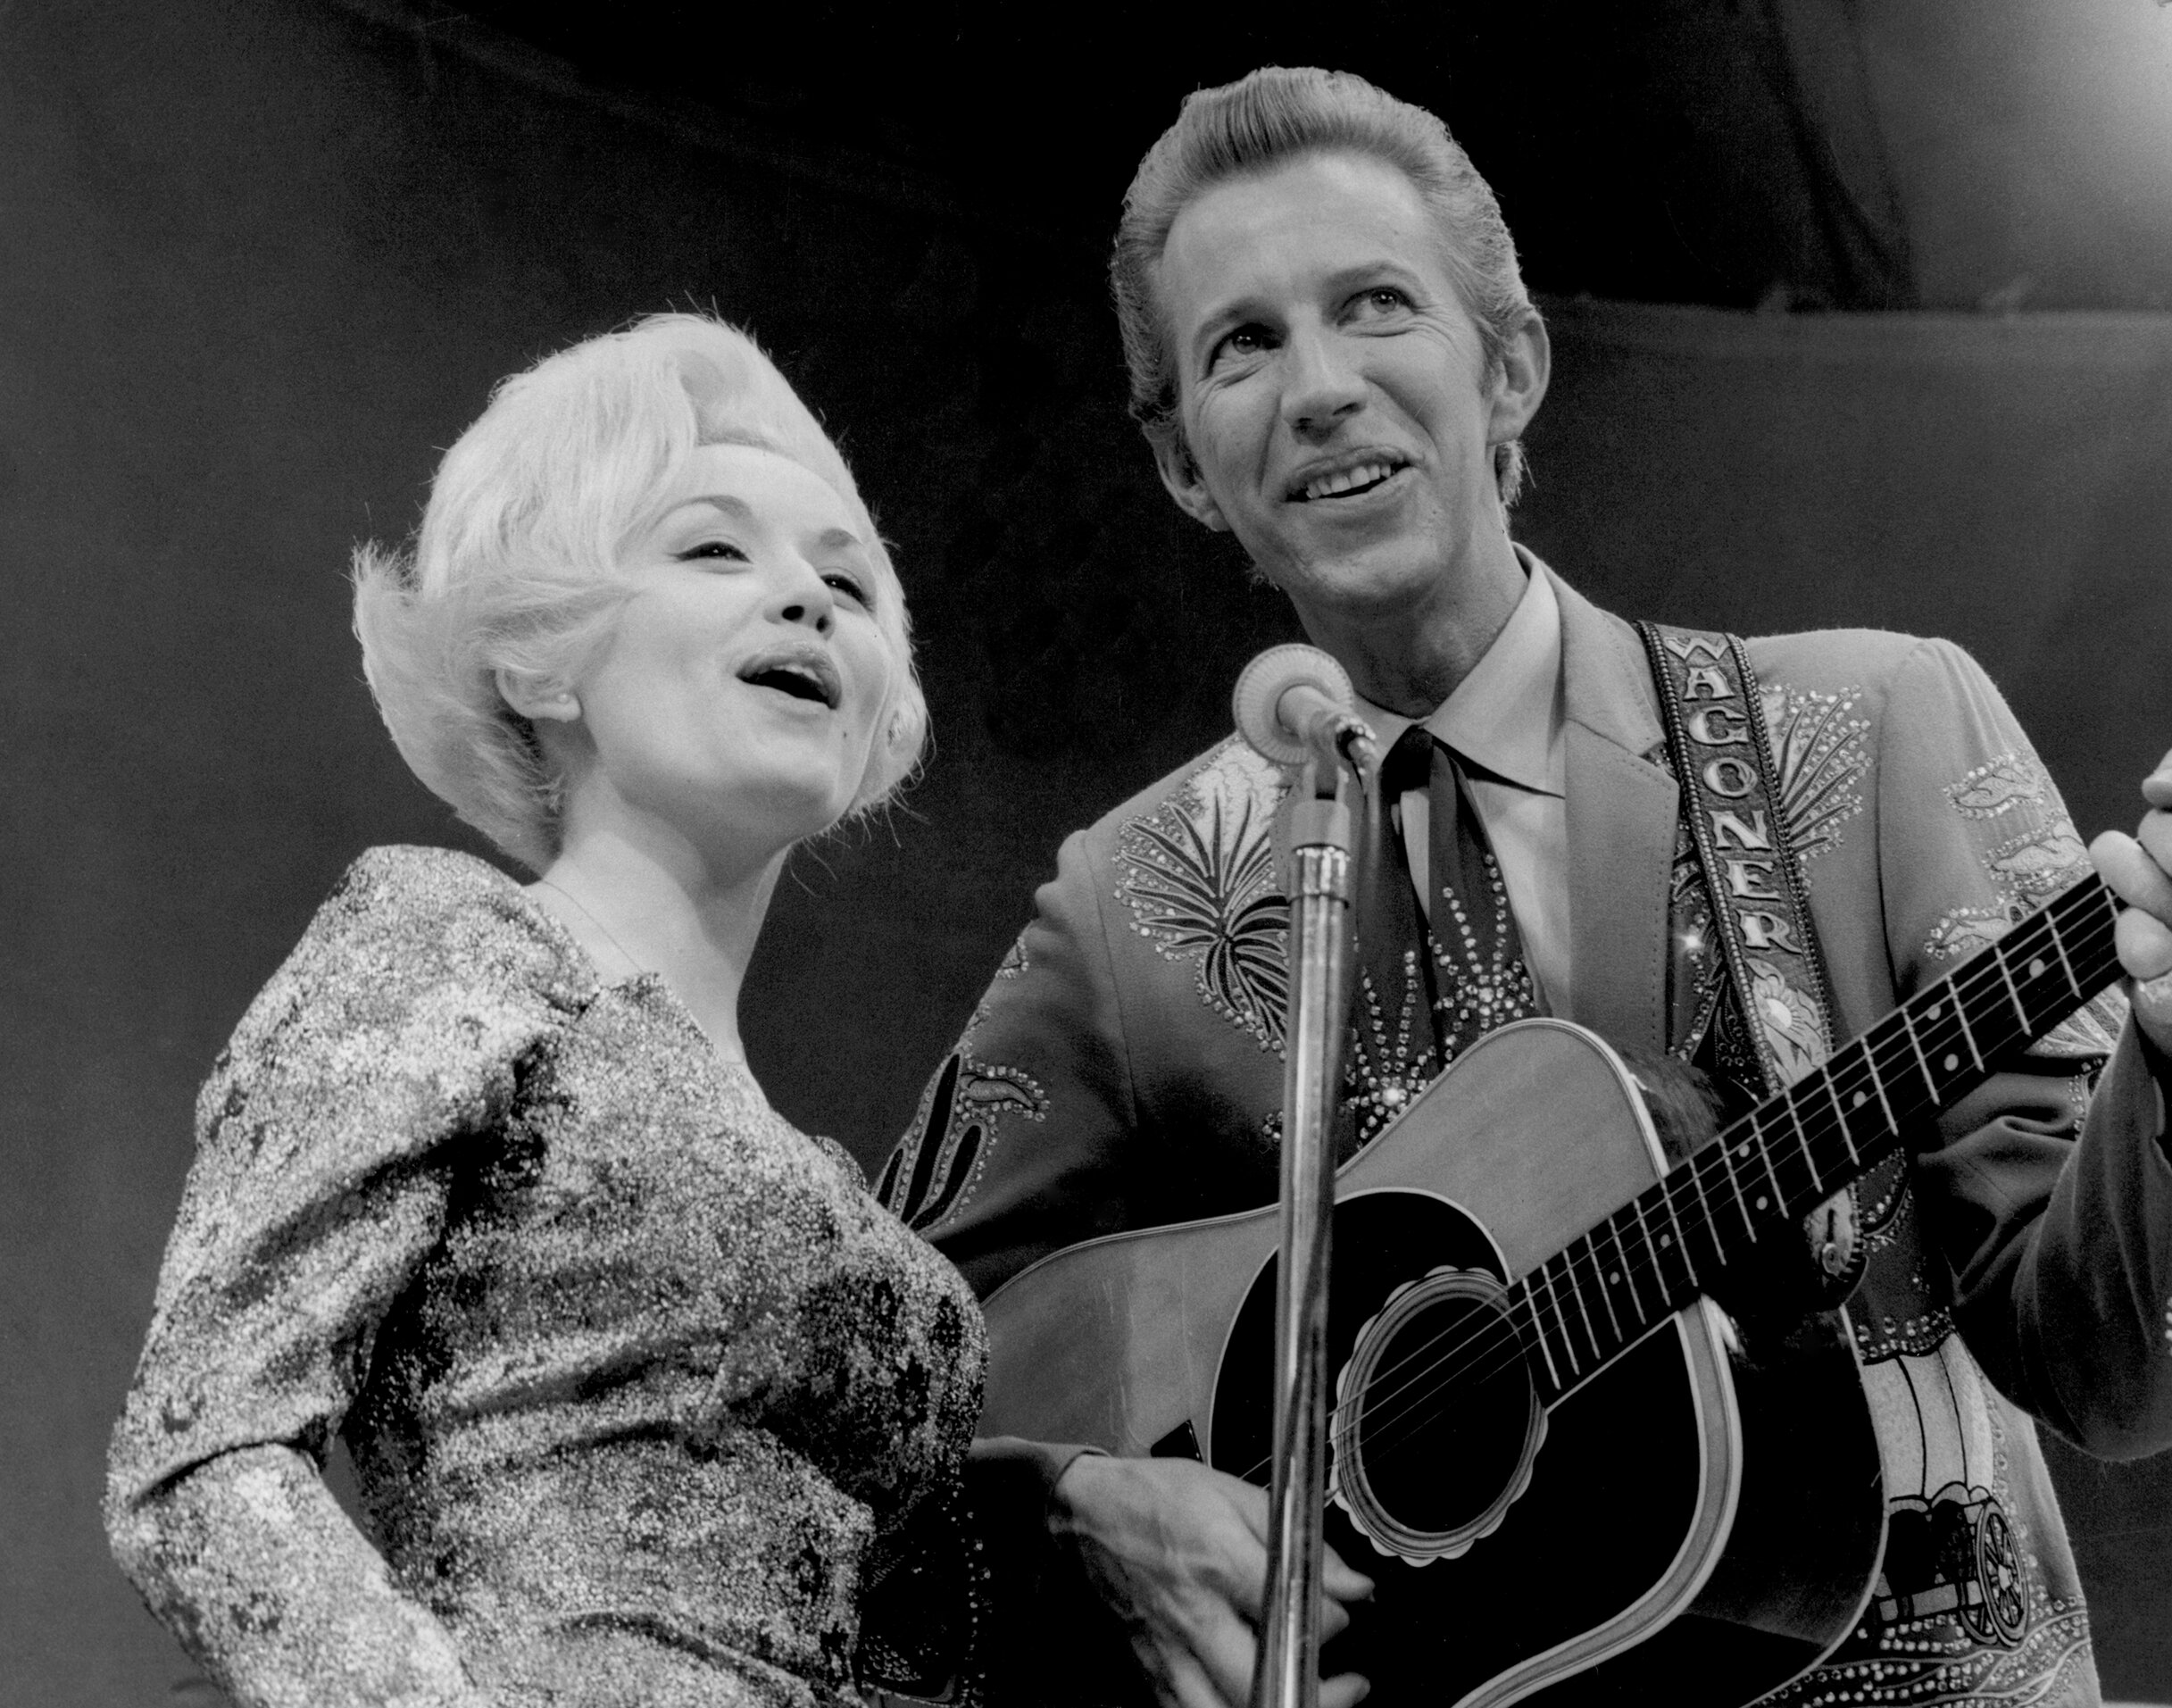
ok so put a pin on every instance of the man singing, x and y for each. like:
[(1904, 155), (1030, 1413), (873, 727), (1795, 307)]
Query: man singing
[(1333, 358)]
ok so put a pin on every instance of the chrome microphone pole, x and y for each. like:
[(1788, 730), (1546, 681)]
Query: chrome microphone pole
[(1318, 881)]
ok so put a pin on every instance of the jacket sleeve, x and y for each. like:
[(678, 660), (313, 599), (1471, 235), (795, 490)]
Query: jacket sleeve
[(1019, 1143), (328, 1140), (2052, 1206)]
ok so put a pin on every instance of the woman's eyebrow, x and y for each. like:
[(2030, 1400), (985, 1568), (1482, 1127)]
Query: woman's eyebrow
[(737, 509)]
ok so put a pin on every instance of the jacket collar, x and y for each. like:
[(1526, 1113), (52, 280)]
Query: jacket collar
[(1621, 820)]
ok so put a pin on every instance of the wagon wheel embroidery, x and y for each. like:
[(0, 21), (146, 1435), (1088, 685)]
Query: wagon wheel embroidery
[(1209, 890)]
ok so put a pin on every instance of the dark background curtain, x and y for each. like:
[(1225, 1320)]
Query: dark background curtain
[(260, 261)]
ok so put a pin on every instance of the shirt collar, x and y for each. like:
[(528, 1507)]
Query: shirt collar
[(1505, 717)]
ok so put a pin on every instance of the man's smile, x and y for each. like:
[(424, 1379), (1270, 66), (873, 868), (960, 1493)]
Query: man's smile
[(1346, 477)]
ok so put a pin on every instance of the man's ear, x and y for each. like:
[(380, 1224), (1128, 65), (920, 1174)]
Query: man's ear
[(1519, 386), (1180, 475), (536, 698)]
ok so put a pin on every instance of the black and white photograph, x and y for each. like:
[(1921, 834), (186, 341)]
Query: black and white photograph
[(1024, 856)]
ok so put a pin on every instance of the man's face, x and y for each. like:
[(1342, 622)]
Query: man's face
[(1332, 389)]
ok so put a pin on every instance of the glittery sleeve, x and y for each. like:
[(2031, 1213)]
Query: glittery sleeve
[(2058, 1230), (377, 1059)]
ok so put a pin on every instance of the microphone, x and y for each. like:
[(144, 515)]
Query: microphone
[(1293, 702)]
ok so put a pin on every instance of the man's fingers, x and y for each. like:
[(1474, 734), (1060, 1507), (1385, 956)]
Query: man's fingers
[(1345, 1690), (1341, 1582), (2134, 876), (1227, 1652), (2157, 790), (1179, 1681), (2144, 945)]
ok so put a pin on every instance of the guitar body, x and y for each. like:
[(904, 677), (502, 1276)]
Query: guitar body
[(1689, 1525)]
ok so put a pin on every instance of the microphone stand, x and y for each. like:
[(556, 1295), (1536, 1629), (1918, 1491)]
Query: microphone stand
[(1318, 882)]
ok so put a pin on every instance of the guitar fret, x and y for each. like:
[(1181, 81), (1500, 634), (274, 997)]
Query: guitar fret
[(1847, 1138), (1877, 1083), (1764, 1155), (1922, 1062), (1569, 1351), (1606, 1283), (1644, 1239), (2028, 1027), (1568, 1262), (1679, 1243), (1968, 1033), (1706, 1222), (2050, 920), (1726, 1158), (1810, 1161), (1538, 1333)]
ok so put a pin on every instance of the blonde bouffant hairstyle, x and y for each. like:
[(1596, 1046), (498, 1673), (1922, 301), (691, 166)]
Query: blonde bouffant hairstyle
[(514, 567)]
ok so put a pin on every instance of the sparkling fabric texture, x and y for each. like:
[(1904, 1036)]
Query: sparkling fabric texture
[(635, 1376)]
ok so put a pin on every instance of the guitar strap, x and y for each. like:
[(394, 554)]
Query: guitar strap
[(1722, 759), (1722, 755)]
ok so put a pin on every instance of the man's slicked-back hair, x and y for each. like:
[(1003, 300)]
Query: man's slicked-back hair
[(1267, 118)]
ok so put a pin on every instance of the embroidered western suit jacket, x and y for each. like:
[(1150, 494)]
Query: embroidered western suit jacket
[(1124, 1070)]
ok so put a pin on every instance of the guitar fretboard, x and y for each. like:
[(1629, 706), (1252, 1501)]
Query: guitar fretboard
[(1608, 1289)]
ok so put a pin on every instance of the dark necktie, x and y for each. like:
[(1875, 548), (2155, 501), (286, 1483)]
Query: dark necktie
[(1424, 995)]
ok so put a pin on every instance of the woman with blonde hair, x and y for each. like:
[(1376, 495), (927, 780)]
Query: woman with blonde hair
[(647, 1398)]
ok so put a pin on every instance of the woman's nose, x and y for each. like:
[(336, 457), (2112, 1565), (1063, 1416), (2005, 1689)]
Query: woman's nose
[(806, 599)]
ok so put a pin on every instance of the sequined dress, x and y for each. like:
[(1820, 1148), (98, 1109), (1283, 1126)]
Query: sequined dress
[(638, 1380)]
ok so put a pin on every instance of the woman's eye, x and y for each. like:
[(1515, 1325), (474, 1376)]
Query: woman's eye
[(714, 548), (1384, 299), (850, 586)]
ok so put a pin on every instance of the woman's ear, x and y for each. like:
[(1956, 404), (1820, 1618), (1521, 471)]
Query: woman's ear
[(536, 698)]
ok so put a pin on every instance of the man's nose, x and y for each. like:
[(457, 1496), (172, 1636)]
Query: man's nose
[(1321, 383)]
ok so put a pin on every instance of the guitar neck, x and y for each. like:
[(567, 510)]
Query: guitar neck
[(1609, 1288)]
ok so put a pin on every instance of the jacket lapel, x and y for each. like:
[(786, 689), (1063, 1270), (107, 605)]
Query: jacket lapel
[(1621, 818)]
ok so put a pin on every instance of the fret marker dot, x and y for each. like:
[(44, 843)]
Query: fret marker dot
[(1745, 1149), (1667, 1239), (1614, 1276), (1951, 1063), (1760, 1201), (2036, 967), (1861, 1100), (1932, 1012)]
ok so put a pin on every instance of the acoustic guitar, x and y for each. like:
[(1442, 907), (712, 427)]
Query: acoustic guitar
[(1567, 1474)]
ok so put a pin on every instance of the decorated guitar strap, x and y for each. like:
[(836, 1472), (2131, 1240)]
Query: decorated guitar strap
[(1723, 760)]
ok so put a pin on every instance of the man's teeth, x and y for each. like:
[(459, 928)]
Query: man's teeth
[(1365, 474)]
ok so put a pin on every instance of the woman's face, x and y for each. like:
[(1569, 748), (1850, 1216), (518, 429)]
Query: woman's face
[(738, 694)]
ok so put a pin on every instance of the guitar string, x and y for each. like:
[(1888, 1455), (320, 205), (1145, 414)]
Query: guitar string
[(1500, 1323), (1817, 1125), (1979, 978)]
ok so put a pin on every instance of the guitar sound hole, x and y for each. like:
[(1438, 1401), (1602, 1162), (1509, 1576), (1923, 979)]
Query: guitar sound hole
[(1441, 1432)]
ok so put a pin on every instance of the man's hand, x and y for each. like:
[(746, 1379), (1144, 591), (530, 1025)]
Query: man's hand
[(1179, 1553), (2139, 870)]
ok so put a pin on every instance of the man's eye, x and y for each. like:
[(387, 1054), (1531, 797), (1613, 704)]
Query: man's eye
[(714, 548), (1385, 299), (1245, 342)]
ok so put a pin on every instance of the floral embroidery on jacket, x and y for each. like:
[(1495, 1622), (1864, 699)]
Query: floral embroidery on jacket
[(1822, 756), (1198, 877)]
